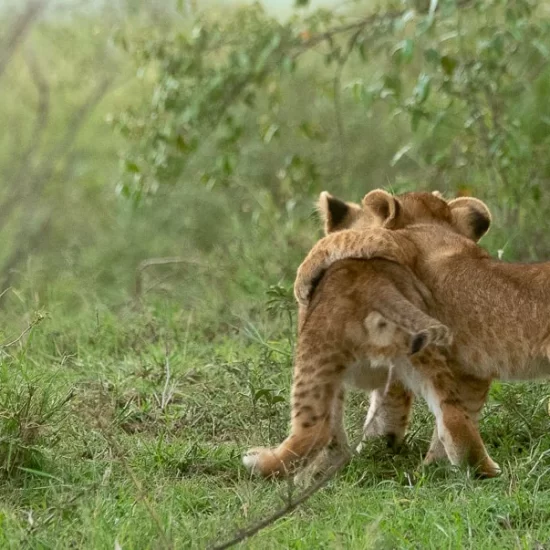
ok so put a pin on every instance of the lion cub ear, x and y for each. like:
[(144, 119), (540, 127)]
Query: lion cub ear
[(383, 206), (470, 216), (335, 213)]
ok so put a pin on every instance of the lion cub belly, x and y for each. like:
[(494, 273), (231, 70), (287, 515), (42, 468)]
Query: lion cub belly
[(502, 360)]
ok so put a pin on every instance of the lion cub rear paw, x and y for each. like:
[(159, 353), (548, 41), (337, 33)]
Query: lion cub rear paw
[(488, 468), (439, 335), (262, 461)]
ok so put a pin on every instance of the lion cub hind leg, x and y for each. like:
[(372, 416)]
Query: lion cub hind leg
[(318, 377), (335, 454), (388, 415), (431, 376), (473, 394)]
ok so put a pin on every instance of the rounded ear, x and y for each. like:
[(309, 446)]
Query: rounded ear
[(383, 206), (470, 216), (419, 341), (335, 213)]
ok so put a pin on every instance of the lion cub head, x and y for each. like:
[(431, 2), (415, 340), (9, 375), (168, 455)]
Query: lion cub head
[(467, 216)]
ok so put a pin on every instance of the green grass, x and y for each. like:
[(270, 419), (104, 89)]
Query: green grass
[(110, 409), (96, 435)]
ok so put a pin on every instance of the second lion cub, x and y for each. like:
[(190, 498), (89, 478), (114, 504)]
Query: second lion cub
[(499, 312), (361, 311)]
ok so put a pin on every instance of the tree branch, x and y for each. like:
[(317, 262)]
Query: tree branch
[(19, 31), (28, 237), (305, 495), (145, 264)]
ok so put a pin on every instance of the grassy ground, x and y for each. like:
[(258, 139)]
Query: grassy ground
[(109, 417), (122, 425)]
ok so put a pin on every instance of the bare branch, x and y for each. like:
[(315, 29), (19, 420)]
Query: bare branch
[(305, 495), (29, 236), (41, 122), (158, 261), (42, 108), (19, 31), (38, 319)]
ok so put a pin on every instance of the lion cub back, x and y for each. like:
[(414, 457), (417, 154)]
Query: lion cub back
[(374, 308)]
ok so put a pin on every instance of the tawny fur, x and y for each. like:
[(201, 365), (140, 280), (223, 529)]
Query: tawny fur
[(499, 312), (392, 407), (378, 209), (362, 311)]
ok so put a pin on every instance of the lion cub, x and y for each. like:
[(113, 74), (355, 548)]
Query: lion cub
[(498, 312), (361, 311), (392, 407)]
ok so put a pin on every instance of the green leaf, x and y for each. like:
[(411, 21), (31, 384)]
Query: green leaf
[(271, 132), (416, 116), (312, 131), (432, 56), (403, 151), (267, 51), (448, 64), (264, 392), (362, 50), (392, 84), (422, 88), (301, 3), (288, 64), (181, 144), (403, 52), (132, 167)]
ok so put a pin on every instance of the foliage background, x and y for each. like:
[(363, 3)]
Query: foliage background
[(138, 130)]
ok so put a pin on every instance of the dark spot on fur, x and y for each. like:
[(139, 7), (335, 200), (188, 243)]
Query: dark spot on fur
[(337, 210), (300, 394), (339, 368), (306, 425), (452, 401), (419, 342), (479, 223), (316, 395), (299, 383), (382, 324)]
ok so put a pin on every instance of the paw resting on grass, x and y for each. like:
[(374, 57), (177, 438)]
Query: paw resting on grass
[(263, 461)]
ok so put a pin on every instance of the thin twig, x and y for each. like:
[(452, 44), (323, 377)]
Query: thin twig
[(166, 395), (39, 318), (337, 91), (158, 261), (305, 495), (19, 31)]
